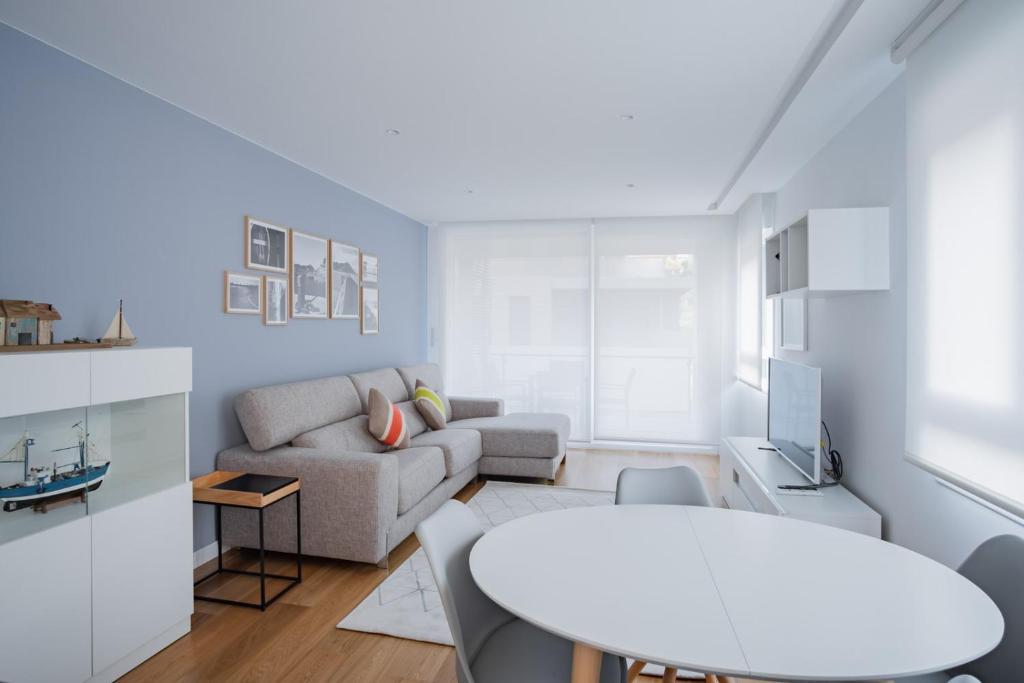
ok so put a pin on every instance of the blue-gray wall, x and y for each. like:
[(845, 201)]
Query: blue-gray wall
[(108, 192)]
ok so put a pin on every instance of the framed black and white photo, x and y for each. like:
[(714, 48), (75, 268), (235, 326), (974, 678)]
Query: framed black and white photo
[(275, 306), (370, 273), (344, 280), (309, 275), (243, 293), (370, 310), (266, 246)]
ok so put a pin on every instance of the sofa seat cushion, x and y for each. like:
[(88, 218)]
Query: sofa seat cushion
[(461, 447), (520, 435), (419, 471), (348, 435)]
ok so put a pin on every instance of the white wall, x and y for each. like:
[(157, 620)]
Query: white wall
[(859, 342)]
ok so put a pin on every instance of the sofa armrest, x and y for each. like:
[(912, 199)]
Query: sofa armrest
[(349, 499), (467, 408)]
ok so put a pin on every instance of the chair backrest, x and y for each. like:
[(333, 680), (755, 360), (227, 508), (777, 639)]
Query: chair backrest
[(447, 536), (665, 486), (996, 567)]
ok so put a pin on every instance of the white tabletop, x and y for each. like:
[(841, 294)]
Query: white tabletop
[(733, 592)]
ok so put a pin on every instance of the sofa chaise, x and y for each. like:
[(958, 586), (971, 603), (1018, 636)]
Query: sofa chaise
[(358, 501)]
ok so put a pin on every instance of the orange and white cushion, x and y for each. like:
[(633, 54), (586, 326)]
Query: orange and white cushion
[(386, 421)]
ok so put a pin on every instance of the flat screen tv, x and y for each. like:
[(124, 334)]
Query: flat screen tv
[(794, 415)]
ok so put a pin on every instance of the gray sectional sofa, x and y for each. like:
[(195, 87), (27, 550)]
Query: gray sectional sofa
[(358, 501)]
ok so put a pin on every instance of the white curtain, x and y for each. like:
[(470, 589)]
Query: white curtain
[(512, 317)]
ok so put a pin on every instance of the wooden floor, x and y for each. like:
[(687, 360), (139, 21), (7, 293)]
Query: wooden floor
[(296, 638)]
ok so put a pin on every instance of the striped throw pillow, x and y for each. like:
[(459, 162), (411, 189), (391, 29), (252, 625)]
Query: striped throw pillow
[(386, 421), (431, 405)]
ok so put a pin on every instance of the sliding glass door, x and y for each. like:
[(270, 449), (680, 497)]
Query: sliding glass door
[(616, 323)]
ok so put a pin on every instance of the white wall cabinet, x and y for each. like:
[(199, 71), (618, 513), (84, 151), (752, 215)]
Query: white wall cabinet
[(829, 252), (93, 587)]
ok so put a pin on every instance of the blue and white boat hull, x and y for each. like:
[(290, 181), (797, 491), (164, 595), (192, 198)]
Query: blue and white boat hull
[(24, 495)]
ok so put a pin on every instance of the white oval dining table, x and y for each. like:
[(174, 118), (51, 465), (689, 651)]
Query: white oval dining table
[(733, 593)]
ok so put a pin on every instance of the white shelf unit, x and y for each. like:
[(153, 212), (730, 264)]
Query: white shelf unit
[(828, 252), (92, 589)]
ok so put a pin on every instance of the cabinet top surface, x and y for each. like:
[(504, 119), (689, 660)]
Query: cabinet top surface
[(71, 350), (771, 470)]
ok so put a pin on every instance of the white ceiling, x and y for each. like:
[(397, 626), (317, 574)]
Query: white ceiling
[(520, 102)]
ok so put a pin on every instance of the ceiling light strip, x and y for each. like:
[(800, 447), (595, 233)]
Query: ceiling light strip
[(810, 65), (923, 25)]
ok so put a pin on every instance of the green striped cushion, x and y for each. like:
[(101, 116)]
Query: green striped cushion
[(430, 403)]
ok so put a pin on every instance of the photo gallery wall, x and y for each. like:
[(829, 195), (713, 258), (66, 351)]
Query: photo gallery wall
[(310, 277)]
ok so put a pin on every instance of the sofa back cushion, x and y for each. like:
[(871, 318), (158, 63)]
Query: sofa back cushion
[(349, 435), (414, 422), (428, 373), (274, 415), (386, 380)]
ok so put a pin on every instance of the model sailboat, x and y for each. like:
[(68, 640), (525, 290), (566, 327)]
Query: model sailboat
[(44, 484), (118, 333)]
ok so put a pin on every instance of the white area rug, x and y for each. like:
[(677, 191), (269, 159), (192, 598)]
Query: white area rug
[(406, 604)]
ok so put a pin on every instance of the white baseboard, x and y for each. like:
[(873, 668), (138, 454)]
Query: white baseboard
[(206, 553), (646, 446)]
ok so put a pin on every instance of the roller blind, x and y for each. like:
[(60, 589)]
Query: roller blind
[(965, 284), (657, 340), (516, 315), (515, 321)]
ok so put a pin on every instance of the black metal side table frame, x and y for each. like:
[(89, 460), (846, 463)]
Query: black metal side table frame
[(262, 573)]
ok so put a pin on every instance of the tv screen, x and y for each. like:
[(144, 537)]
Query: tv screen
[(794, 415)]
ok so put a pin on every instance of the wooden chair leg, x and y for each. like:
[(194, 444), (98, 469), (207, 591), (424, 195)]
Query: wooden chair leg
[(670, 675), (635, 670)]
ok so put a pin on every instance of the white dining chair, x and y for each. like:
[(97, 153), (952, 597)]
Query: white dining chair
[(680, 485), (996, 567), (491, 644)]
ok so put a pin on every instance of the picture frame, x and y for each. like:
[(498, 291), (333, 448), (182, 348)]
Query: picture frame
[(308, 277), (275, 300), (369, 269), (369, 310), (243, 293), (346, 265), (267, 246)]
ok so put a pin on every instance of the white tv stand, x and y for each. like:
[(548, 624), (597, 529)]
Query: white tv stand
[(749, 476)]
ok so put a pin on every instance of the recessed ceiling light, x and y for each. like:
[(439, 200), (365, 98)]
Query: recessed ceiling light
[(393, 131), (630, 185), (626, 117)]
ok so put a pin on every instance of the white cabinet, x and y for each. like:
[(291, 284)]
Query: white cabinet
[(45, 628), (96, 576), (142, 574), (829, 251), (749, 477)]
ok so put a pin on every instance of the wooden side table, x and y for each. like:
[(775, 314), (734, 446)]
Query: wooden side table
[(255, 492)]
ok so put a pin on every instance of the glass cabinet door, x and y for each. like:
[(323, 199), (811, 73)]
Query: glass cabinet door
[(44, 475), (143, 445), (84, 460)]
